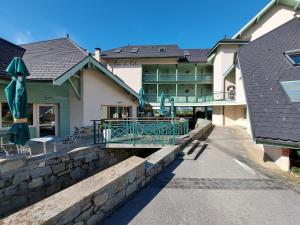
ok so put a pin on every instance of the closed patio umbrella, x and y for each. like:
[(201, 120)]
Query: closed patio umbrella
[(141, 100), (172, 107), (17, 101), (162, 104)]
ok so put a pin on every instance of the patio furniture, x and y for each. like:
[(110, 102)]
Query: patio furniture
[(15, 149), (42, 140)]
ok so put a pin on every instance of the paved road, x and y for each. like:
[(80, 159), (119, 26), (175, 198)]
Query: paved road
[(221, 187)]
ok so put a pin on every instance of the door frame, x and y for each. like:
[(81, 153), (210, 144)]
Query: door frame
[(38, 118)]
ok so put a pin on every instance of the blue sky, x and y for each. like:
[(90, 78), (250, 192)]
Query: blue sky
[(113, 23)]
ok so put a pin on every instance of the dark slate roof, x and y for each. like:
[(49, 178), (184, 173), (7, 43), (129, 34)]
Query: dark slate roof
[(196, 55), (263, 65), (144, 51), (7, 52), (47, 60)]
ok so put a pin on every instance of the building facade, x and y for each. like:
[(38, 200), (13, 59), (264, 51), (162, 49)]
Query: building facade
[(183, 74)]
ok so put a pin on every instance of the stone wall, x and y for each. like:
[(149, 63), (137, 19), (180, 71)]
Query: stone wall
[(88, 201), (26, 180)]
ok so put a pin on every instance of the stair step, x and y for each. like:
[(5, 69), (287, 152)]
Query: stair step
[(196, 152), (189, 148)]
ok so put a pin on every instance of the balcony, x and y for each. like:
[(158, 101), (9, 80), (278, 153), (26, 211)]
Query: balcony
[(215, 97), (179, 78)]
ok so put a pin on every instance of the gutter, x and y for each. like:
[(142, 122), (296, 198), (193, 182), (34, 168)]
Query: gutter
[(278, 143)]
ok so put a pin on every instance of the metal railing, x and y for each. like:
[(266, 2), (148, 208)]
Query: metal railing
[(140, 130), (207, 77), (216, 96)]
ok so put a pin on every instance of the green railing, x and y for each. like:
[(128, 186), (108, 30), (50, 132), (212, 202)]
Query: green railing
[(153, 78), (217, 96), (134, 131)]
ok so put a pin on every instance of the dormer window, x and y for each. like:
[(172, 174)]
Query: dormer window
[(293, 56), (162, 50), (134, 50), (118, 50)]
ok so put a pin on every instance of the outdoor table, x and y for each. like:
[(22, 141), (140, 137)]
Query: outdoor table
[(43, 140)]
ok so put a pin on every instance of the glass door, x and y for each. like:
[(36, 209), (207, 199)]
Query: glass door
[(47, 120)]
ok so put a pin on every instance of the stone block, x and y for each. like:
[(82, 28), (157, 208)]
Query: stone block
[(77, 163), (85, 214), (101, 153), (52, 179), (40, 171), (70, 215), (95, 219), (140, 171), (131, 189), (65, 158), (120, 196), (52, 161), (113, 161), (10, 165), (35, 183), (100, 198), (86, 206), (10, 191), (91, 156), (77, 173), (53, 189), (22, 188), (79, 223), (1, 184), (91, 166), (19, 177), (58, 168), (120, 184), (131, 176)]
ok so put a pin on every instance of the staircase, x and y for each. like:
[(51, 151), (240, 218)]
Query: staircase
[(192, 150)]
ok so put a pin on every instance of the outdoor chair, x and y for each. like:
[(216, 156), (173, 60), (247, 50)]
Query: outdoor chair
[(10, 149)]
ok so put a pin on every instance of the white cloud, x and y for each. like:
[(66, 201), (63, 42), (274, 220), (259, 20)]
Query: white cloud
[(22, 37)]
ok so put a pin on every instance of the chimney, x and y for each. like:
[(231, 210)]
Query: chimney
[(98, 54)]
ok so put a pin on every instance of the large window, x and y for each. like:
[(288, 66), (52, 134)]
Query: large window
[(118, 112), (293, 56), (7, 119)]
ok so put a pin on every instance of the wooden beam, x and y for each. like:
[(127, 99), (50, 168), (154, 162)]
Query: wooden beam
[(77, 93)]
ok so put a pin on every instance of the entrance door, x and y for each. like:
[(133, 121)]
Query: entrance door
[(47, 120)]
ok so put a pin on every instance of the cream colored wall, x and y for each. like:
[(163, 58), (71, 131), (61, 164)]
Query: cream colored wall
[(234, 115), (217, 116), (97, 89), (275, 153), (130, 70), (277, 16), (239, 85), (76, 109), (222, 62), (131, 75)]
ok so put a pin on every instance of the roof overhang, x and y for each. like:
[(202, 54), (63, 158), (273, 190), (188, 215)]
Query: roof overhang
[(294, 4), (216, 46), (89, 60), (277, 143)]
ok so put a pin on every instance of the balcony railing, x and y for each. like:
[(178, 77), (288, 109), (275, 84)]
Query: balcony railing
[(217, 96), (140, 130), (152, 78)]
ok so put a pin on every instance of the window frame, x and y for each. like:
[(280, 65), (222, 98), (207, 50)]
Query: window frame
[(30, 125), (290, 53)]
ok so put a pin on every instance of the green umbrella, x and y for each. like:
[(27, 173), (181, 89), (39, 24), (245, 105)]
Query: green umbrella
[(17, 101), (141, 100), (162, 104), (172, 106)]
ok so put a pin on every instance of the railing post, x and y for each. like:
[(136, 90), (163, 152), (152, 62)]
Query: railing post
[(173, 138), (94, 131), (133, 129)]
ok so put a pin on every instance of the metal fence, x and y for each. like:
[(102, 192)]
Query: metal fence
[(160, 131)]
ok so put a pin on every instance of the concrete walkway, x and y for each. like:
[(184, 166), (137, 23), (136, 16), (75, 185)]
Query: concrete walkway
[(223, 186)]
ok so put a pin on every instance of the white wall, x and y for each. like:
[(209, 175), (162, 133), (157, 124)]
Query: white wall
[(217, 116), (130, 74), (222, 62), (239, 85), (276, 154), (277, 16), (97, 89)]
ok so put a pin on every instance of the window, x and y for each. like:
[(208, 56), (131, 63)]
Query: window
[(134, 50), (118, 112), (162, 50), (293, 57), (7, 119), (292, 89)]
